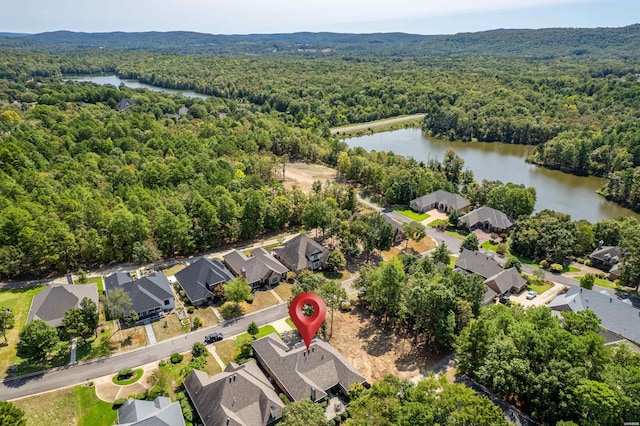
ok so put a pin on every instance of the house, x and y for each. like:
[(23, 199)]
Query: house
[(258, 270), (150, 295), (606, 257), (478, 263), (488, 220), (55, 300), (303, 374), (300, 253), (124, 103), (160, 411), (507, 280), (619, 318), (442, 200), (614, 272), (239, 396), (398, 230), (199, 279)]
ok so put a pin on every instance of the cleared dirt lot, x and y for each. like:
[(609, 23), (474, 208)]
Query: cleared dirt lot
[(303, 175), (376, 351)]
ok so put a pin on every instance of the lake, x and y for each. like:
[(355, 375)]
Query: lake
[(575, 195), (134, 84)]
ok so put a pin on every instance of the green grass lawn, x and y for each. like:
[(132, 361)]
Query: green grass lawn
[(418, 217), (228, 349), (539, 286), (99, 282), (601, 282), (71, 406), (137, 373), (19, 300), (570, 269), (174, 269), (290, 322), (455, 234)]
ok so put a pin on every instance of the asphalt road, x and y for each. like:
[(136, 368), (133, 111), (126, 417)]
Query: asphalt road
[(82, 373)]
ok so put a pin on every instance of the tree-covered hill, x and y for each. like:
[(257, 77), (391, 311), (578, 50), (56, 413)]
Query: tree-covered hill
[(547, 43)]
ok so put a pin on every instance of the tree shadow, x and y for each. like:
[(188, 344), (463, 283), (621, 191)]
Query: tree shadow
[(230, 311)]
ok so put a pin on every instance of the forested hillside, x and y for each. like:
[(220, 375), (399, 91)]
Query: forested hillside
[(545, 43)]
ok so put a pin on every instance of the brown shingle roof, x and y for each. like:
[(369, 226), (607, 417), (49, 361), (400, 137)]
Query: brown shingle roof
[(298, 371), (241, 393)]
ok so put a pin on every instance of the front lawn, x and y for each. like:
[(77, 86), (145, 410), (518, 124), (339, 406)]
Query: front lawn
[(456, 234), (111, 341), (418, 217), (539, 286), (19, 300), (601, 282), (168, 327), (72, 406), (229, 349), (261, 300), (284, 291)]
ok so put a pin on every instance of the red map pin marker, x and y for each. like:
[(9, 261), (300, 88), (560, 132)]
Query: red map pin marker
[(307, 326)]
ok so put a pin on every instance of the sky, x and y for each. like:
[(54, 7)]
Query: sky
[(286, 16)]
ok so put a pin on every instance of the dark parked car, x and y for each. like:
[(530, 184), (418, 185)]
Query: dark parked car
[(213, 337)]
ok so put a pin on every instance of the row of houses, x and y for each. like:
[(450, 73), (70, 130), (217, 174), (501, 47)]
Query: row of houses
[(151, 295), (485, 218)]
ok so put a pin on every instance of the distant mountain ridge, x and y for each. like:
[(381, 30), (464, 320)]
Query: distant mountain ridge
[(623, 42)]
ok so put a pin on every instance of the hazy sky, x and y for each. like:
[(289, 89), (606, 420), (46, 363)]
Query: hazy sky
[(270, 16)]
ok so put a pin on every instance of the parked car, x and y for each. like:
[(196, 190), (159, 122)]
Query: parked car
[(531, 294), (213, 337)]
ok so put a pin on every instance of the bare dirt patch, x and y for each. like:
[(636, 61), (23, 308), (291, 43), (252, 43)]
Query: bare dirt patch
[(303, 175), (375, 350), (414, 248)]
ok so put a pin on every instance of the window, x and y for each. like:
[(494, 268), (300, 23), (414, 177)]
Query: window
[(166, 302)]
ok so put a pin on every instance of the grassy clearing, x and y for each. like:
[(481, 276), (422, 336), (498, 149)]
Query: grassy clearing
[(261, 300), (137, 374), (418, 217), (19, 300), (539, 286), (375, 127), (600, 282), (78, 405), (174, 269), (284, 291)]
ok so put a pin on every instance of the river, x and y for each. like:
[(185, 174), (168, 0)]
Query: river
[(575, 195), (134, 84)]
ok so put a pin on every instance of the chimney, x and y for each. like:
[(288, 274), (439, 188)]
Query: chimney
[(272, 412), (313, 394)]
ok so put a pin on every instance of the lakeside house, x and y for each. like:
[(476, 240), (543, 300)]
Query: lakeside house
[(160, 411), (258, 270), (442, 200), (201, 277), (51, 304), (239, 396), (300, 374), (488, 220), (150, 295), (300, 253)]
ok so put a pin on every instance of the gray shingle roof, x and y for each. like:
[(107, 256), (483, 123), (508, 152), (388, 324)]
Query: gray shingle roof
[(323, 367), (391, 221), (606, 254), (485, 214), (296, 252), (478, 263), (505, 280), (616, 316), (158, 412), (258, 267), (241, 393), (454, 201), (201, 276), (147, 293), (53, 302)]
